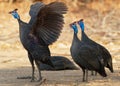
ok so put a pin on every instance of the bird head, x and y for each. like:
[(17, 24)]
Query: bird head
[(14, 14), (81, 24), (74, 27)]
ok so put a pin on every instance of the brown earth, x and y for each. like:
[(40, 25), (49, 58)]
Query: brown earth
[(102, 25)]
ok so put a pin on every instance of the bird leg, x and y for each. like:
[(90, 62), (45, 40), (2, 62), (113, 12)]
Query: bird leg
[(33, 67), (38, 66), (92, 73), (86, 75), (33, 71), (83, 75), (95, 73), (40, 80)]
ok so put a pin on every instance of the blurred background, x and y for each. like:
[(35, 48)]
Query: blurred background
[(101, 17)]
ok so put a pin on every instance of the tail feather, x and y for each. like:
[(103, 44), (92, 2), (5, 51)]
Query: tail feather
[(110, 67), (102, 73), (101, 70)]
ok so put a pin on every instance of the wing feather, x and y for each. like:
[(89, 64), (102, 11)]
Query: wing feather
[(45, 36), (49, 22), (34, 9)]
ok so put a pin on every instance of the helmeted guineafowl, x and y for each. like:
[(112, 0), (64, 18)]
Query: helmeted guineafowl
[(85, 56), (102, 50), (43, 29), (60, 63)]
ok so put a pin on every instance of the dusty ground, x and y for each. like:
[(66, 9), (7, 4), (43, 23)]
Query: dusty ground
[(102, 26), (16, 64)]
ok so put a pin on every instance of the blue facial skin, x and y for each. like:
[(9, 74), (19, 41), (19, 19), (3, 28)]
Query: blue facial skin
[(81, 24), (74, 28), (15, 15)]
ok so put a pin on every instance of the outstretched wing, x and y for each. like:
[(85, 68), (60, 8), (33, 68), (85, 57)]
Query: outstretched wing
[(34, 9), (49, 22)]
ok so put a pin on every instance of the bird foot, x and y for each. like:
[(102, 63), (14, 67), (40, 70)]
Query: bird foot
[(33, 79), (27, 77)]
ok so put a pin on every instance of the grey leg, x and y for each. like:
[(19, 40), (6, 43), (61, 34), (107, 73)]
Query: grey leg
[(86, 75), (38, 66), (83, 75), (92, 73), (40, 79), (95, 73), (33, 67)]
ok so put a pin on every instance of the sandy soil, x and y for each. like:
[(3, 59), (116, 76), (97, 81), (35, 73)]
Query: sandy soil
[(16, 64), (103, 27)]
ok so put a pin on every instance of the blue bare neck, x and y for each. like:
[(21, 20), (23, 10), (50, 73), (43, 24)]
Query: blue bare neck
[(81, 24), (74, 27), (15, 15)]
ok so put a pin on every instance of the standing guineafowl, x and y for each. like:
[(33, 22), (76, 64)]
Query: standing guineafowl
[(43, 29), (102, 50), (85, 56)]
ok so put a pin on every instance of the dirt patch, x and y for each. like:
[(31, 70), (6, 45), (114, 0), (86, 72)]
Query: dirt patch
[(16, 66)]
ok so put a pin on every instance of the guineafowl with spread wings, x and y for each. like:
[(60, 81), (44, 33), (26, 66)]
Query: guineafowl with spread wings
[(43, 29)]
